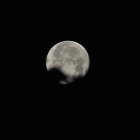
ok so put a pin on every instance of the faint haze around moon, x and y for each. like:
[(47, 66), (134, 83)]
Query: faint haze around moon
[(70, 59)]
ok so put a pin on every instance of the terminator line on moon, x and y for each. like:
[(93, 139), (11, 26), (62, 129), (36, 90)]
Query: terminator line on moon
[(70, 58)]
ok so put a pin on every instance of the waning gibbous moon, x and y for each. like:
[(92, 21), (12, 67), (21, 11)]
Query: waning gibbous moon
[(70, 58)]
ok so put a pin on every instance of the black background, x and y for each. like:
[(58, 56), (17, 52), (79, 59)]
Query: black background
[(104, 103)]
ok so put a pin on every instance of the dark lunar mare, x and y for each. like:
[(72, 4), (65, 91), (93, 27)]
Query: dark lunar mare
[(79, 67), (71, 51)]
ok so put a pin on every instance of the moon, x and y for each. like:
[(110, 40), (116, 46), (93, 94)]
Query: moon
[(70, 58)]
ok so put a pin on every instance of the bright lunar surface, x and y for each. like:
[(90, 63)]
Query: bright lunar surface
[(70, 58)]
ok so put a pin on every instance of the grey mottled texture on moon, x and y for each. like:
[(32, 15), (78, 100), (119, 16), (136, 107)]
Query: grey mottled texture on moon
[(70, 58)]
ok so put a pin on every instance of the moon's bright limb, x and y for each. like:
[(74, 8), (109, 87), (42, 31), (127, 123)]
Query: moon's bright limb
[(71, 58)]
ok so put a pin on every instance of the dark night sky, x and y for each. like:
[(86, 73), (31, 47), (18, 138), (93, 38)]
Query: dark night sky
[(100, 104)]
